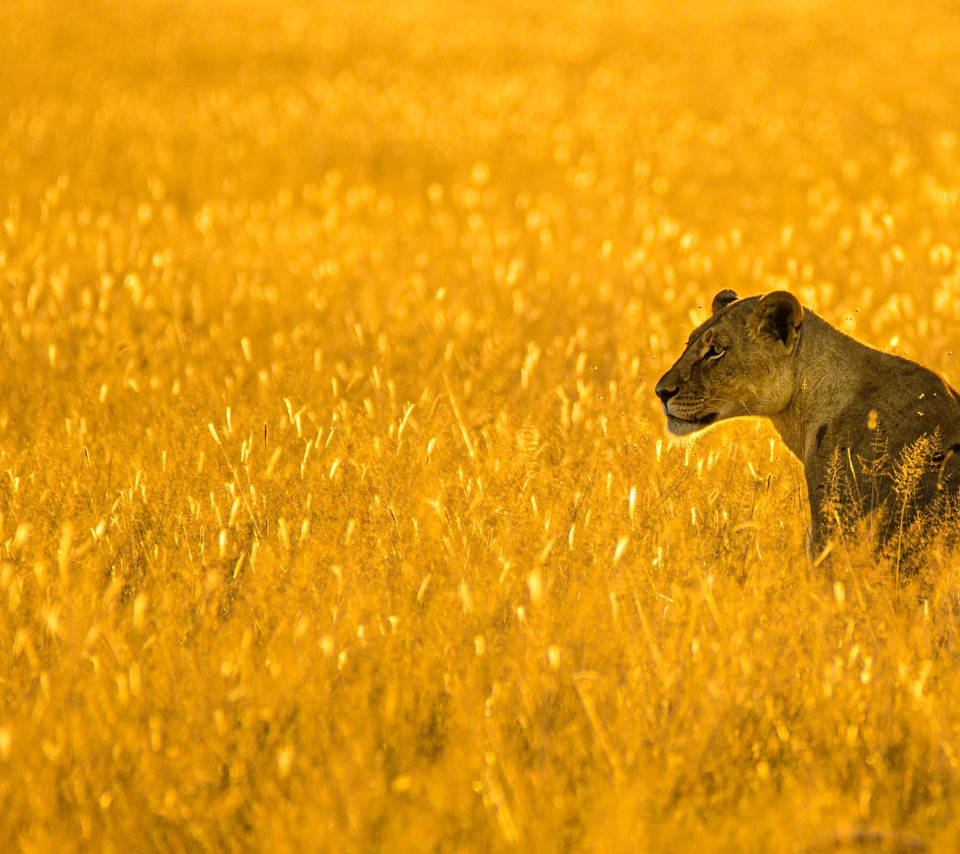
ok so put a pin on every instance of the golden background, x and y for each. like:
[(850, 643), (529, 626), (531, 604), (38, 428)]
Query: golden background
[(337, 512)]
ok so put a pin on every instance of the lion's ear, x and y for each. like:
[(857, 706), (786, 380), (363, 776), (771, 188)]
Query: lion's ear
[(779, 316), (723, 299)]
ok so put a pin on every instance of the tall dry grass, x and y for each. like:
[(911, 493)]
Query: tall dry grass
[(337, 514)]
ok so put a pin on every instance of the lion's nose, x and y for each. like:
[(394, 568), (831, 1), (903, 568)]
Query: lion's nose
[(665, 390)]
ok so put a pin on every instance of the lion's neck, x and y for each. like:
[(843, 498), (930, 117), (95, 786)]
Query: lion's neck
[(824, 384)]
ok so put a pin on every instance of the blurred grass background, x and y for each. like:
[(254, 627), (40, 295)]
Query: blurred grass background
[(336, 508)]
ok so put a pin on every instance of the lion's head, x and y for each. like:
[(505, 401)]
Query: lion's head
[(739, 362)]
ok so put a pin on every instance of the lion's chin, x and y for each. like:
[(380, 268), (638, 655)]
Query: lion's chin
[(683, 427)]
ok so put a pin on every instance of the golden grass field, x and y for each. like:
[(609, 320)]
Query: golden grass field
[(337, 508)]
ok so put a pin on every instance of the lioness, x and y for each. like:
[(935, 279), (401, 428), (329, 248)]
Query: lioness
[(875, 432)]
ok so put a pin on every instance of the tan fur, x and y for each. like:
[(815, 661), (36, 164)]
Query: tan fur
[(845, 409)]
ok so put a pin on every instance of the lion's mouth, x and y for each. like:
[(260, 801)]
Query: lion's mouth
[(683, 426)]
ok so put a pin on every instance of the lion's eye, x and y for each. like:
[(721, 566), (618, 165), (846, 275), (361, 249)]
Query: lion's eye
[(715, 351)]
